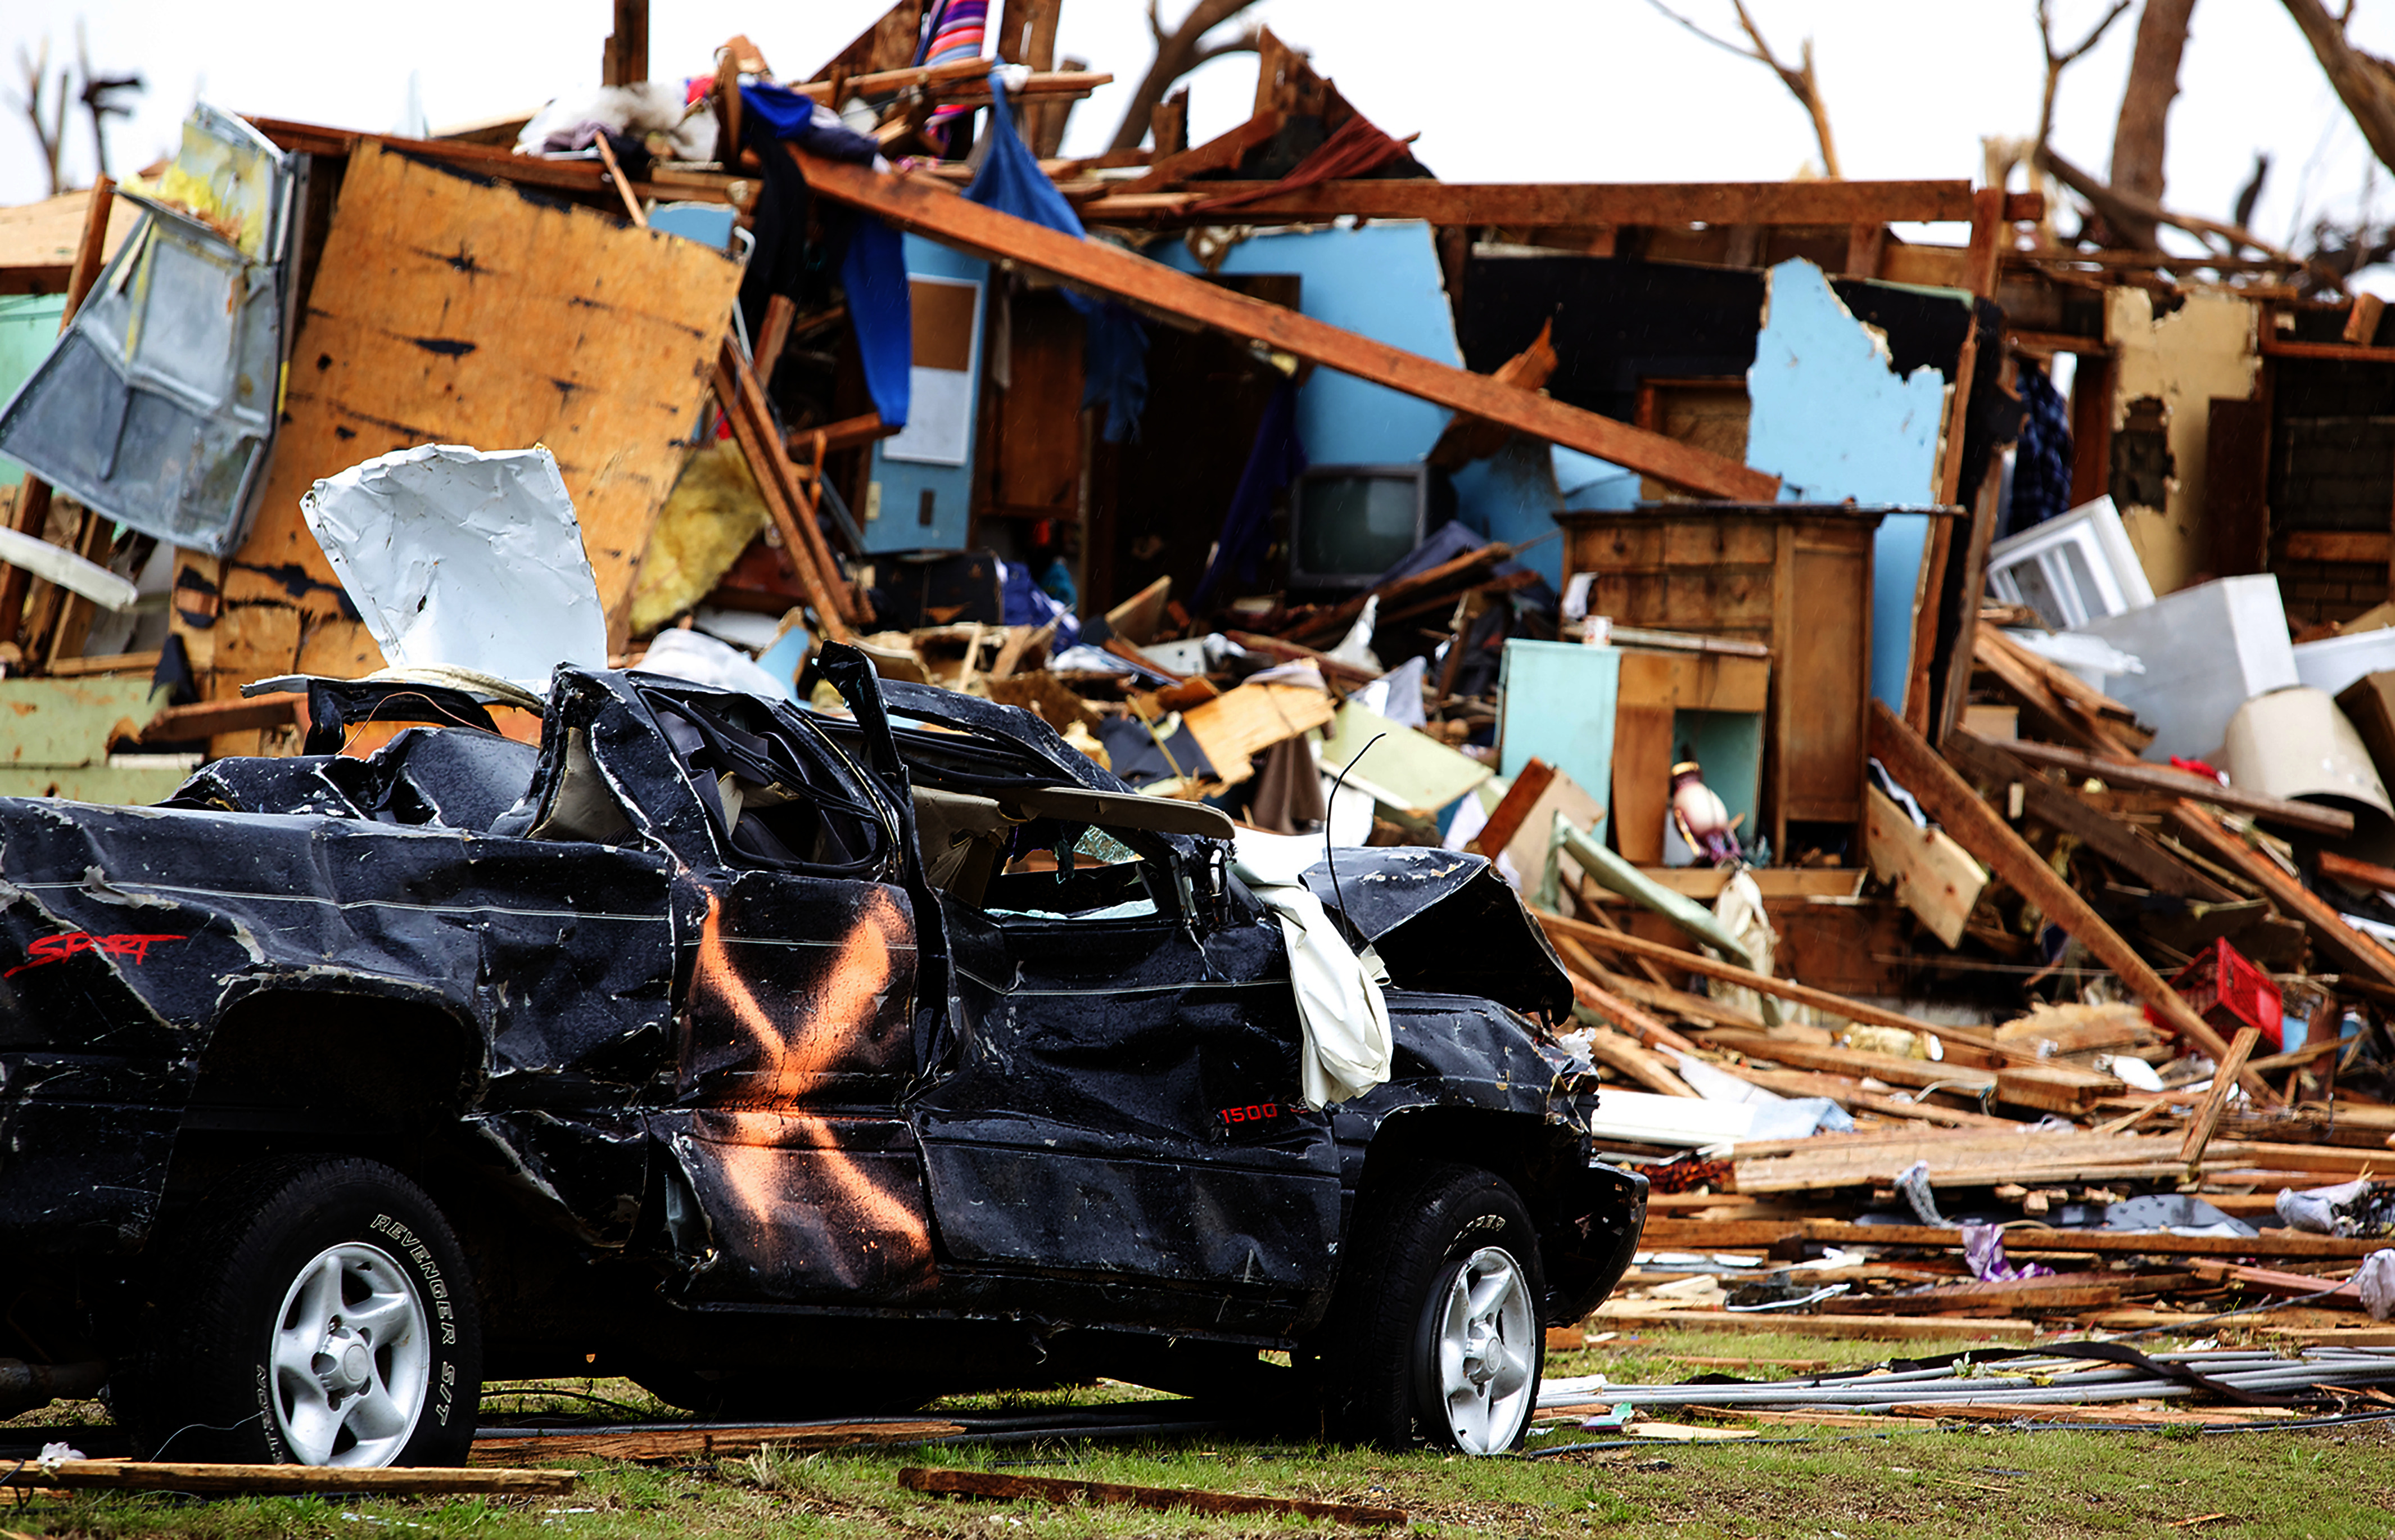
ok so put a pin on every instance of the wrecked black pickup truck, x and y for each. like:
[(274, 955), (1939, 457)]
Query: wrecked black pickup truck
[(789, 1063)]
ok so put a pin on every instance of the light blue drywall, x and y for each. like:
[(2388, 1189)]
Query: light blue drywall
[(1382, 282), (1557, 700), (29, 329), (1834, 421), (903, 483), (1514, 494)]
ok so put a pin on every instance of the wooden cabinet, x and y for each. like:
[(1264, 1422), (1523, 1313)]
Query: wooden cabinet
[(1795, 576)]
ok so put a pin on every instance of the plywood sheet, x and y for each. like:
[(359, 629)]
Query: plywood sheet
[(448, 310)]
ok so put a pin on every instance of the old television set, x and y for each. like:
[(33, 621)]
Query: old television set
[(1349, 524)]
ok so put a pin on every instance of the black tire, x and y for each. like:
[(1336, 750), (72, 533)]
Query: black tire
[(206, 1386), (1377, 1352)]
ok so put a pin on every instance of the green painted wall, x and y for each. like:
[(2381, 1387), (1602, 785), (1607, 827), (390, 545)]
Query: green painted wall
[(29, 329)]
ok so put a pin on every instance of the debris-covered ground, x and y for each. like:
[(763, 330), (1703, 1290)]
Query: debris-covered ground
[(1918, 839), (1803, 1483)]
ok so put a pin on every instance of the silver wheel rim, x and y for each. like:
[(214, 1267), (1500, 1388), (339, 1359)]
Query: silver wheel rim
[(350, 1359), (1485, 1352)]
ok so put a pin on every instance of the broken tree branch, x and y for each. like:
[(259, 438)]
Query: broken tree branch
[(2365, 83), (1800, 79), (2056, 62), (2115, 205), (1178, 52)]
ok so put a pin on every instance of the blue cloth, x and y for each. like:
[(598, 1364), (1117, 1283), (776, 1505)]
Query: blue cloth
[(1027, 603), (808, 124), (1114, 353), (2042, 461), (872, 257), (1278, 458), (881, 311)]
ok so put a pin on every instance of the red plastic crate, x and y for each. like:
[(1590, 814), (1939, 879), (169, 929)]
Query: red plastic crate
[(2227, 990)]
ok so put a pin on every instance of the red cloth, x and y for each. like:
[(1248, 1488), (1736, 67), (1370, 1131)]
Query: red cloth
[(1357, 150)]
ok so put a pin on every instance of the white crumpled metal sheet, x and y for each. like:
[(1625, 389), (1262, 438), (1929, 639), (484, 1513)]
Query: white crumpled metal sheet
[(466, 558)]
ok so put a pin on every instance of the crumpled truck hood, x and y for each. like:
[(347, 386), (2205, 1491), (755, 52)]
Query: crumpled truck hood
[(1442, 920)]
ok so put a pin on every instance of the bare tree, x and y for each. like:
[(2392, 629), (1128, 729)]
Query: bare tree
[(2056, 62), (51, 135), (1178, 52), (1799, 78), (2365, 83), (2140, 137)]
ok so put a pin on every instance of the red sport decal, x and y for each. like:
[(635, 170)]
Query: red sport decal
[(58, 948)]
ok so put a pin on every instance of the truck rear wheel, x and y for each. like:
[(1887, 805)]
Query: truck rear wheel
[(314, 1311), (1435, 1334)]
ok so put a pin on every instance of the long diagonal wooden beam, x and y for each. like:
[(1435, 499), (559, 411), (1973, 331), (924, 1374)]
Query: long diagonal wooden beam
[(1951, 800), (952, 221)]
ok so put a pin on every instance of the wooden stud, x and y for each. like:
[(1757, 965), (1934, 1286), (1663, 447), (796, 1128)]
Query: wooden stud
[(1866, 242), (172, 1476), (1506, 818), (625, 60), (763, 452), (941, 214), (1838, 1232), (2207, 1117), (1977, 826), (623, 183), (33, 497), (1615, 1049), (1551, 205), (1992, 763), (1974, 581), (1689, 961), (2330, 931), (772, 337), (2311, 817)]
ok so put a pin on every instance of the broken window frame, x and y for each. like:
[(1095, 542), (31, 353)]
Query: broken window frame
[(157, 406)]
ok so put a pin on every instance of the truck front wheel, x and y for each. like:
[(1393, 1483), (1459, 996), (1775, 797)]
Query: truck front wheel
[(313, 1311), (1434, 1332)]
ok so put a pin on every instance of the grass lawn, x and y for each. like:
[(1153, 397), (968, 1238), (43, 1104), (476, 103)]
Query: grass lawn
[(1971, 1485)]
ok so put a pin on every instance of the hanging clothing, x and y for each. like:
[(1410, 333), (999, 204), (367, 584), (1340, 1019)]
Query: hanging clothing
[(957, 30), (1276, 459), (2042, 461), (872, 256), (1114, 350)]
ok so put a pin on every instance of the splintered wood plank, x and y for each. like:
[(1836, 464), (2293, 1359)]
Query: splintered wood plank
[(2329, 930), (170, 1476), (1947, 797), (929, 210), (1791, 1323), (1699, 1235), (674, 1443), (1676, 204), (1237, 723), (1931, 876), (450, 310), (1641, 780)]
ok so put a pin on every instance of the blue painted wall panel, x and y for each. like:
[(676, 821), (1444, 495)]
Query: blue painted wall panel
[(903, 483), (1834, 421), (1381, 282)]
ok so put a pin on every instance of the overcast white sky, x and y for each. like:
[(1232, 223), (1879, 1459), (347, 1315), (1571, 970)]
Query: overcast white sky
[(1580, 90)]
